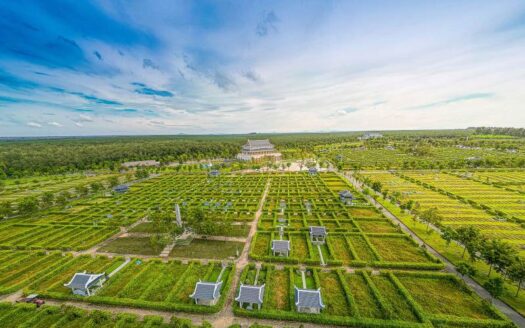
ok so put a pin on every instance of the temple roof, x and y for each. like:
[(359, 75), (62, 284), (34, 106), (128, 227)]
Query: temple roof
[(207, 290), (280, 245), (250, 294), (83, 280), (317, 231), (308, 298), (258, 144)]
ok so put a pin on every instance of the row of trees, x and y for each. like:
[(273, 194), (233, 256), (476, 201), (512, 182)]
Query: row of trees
[(501, 256), (516, 132)]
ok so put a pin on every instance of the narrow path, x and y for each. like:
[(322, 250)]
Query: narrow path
[(517, 318), (120, 267), (226, 317)]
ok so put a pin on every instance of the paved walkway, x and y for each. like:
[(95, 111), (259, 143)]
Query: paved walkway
[(517, 318)]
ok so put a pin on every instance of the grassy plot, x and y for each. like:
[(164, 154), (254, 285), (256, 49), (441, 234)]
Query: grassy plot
[(398, 249), (22, 268), (444, 295), (334, 295), (377, 226), (130, 245), (400, 308), (54, 282), (208, 249), (280, 287), (367, 304), (145, 284)]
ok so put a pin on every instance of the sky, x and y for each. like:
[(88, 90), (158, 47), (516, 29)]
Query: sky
[(199, 67)]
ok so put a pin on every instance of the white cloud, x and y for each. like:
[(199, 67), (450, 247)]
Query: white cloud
[(84, 118), (34, 124), (388, 67)]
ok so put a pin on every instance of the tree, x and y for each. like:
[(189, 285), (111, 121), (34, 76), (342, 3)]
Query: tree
[(62, 198), (113, 181), (48, 198), (516, 272), (431, 216), (466, 269), (448, 234), (96, 187), (81, 190), (376, 186), (141, 174), (205, 222), (494, 286), (469, 235), (28, 205), (6, 209), (497, 254)]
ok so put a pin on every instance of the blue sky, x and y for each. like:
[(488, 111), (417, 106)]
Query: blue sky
[(168, 67)]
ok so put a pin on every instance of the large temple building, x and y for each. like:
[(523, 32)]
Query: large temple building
[(258, 149)]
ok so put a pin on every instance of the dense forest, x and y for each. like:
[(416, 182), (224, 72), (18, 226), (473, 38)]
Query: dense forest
[(36, 156), (515, 132), (23, 157)]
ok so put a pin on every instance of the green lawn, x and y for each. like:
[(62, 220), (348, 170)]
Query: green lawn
[(130, 245), (208, 249)]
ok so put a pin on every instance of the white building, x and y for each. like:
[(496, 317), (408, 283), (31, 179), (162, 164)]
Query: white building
[(258, 149), (371, 135)]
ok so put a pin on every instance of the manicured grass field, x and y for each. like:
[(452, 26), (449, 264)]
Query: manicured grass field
[(130, 245), (208, 249)]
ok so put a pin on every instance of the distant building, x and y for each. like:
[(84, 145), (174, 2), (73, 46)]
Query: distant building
[(318, 234), (85, 284), (371, 135), (346, 197), (251, 295), (312, 171), (121, 188), (281, 247), (141, 163), (258, 149), (308, 300), (207, 293)]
